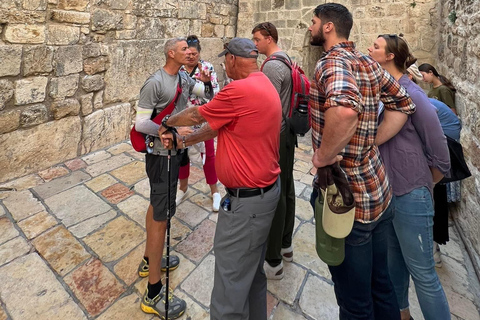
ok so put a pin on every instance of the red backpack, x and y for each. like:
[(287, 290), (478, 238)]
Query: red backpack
[(299, 113)]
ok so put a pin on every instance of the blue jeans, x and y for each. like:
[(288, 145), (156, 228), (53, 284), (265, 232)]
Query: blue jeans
[(410, 253), (362, 283)]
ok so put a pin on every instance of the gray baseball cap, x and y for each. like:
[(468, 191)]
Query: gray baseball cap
[(241, 47)]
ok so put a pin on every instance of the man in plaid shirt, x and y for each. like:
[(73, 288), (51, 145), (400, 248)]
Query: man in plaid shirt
[(344, 96)]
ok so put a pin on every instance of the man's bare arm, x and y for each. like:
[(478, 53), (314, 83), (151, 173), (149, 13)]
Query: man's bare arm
[(203, 134), (187, 117), (392, 123), (340, 125)]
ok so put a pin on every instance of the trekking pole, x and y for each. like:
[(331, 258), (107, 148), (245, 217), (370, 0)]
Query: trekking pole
[(167, 274)]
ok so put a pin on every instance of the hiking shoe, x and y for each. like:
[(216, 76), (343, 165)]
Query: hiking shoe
[(273, 273), (180, 196), (143, 268), (216, 197), (176, 306), (287, 254)]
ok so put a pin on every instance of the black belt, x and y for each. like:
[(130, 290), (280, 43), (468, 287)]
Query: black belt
[(246, 192)]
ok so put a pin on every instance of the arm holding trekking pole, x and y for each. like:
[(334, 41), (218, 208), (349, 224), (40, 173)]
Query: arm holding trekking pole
[(187, 117), (183, 141)]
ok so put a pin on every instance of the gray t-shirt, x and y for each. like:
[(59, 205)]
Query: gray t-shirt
[(157, 92), (281, 77)]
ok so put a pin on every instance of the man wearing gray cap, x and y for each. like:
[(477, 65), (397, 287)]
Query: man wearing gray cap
[(246, 115)]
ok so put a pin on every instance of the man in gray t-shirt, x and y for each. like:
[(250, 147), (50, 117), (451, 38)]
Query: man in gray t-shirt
[(158, 91), (279, 245)]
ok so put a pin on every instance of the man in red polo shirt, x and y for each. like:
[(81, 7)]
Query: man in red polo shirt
[(246, 115)]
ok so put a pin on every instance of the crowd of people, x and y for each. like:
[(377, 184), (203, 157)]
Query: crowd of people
[(369, 118)]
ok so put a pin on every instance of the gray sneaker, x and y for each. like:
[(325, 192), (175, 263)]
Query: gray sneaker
[(176, 306), (144, 268)]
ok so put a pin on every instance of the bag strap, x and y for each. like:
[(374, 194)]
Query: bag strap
[(285, 60), (168, 110), (192, 74)]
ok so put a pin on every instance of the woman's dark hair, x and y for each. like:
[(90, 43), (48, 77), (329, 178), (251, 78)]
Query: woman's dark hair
[(399, 47), (192, 41), (425, 67), (267, 29), (337, 14)]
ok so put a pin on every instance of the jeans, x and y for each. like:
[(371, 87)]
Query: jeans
[(410, 253), (362, 282)]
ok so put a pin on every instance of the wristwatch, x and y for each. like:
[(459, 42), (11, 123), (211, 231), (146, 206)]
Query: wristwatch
[(164, 122)]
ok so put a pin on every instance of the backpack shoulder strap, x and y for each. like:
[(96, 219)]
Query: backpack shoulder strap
[(284, 59)]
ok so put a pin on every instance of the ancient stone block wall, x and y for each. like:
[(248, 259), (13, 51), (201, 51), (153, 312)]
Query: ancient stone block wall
[(415, 19), (71, 70), (459, 60)]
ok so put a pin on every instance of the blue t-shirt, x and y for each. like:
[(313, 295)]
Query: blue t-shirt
[(451, 125)]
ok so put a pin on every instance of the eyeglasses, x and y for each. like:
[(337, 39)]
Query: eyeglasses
[(192, 41)]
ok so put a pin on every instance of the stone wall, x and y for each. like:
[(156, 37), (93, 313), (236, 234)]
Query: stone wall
[(415, 19), (459, 60), (71, 70)]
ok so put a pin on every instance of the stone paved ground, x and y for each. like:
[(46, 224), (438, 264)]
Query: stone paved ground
[(72, 236)]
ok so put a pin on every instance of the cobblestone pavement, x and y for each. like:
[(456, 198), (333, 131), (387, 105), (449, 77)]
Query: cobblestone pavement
[(71, 238)]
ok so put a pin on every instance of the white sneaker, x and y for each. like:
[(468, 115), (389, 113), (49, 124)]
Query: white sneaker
[(273, 273), (180, 196), (216, 197), (287, 254)]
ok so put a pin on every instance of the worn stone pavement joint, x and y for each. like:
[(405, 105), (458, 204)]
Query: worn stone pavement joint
[(77, 239)]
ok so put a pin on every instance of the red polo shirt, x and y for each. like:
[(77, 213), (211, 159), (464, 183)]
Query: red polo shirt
[(247, 115)]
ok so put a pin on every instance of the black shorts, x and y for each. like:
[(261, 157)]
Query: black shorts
[(156, 167)]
